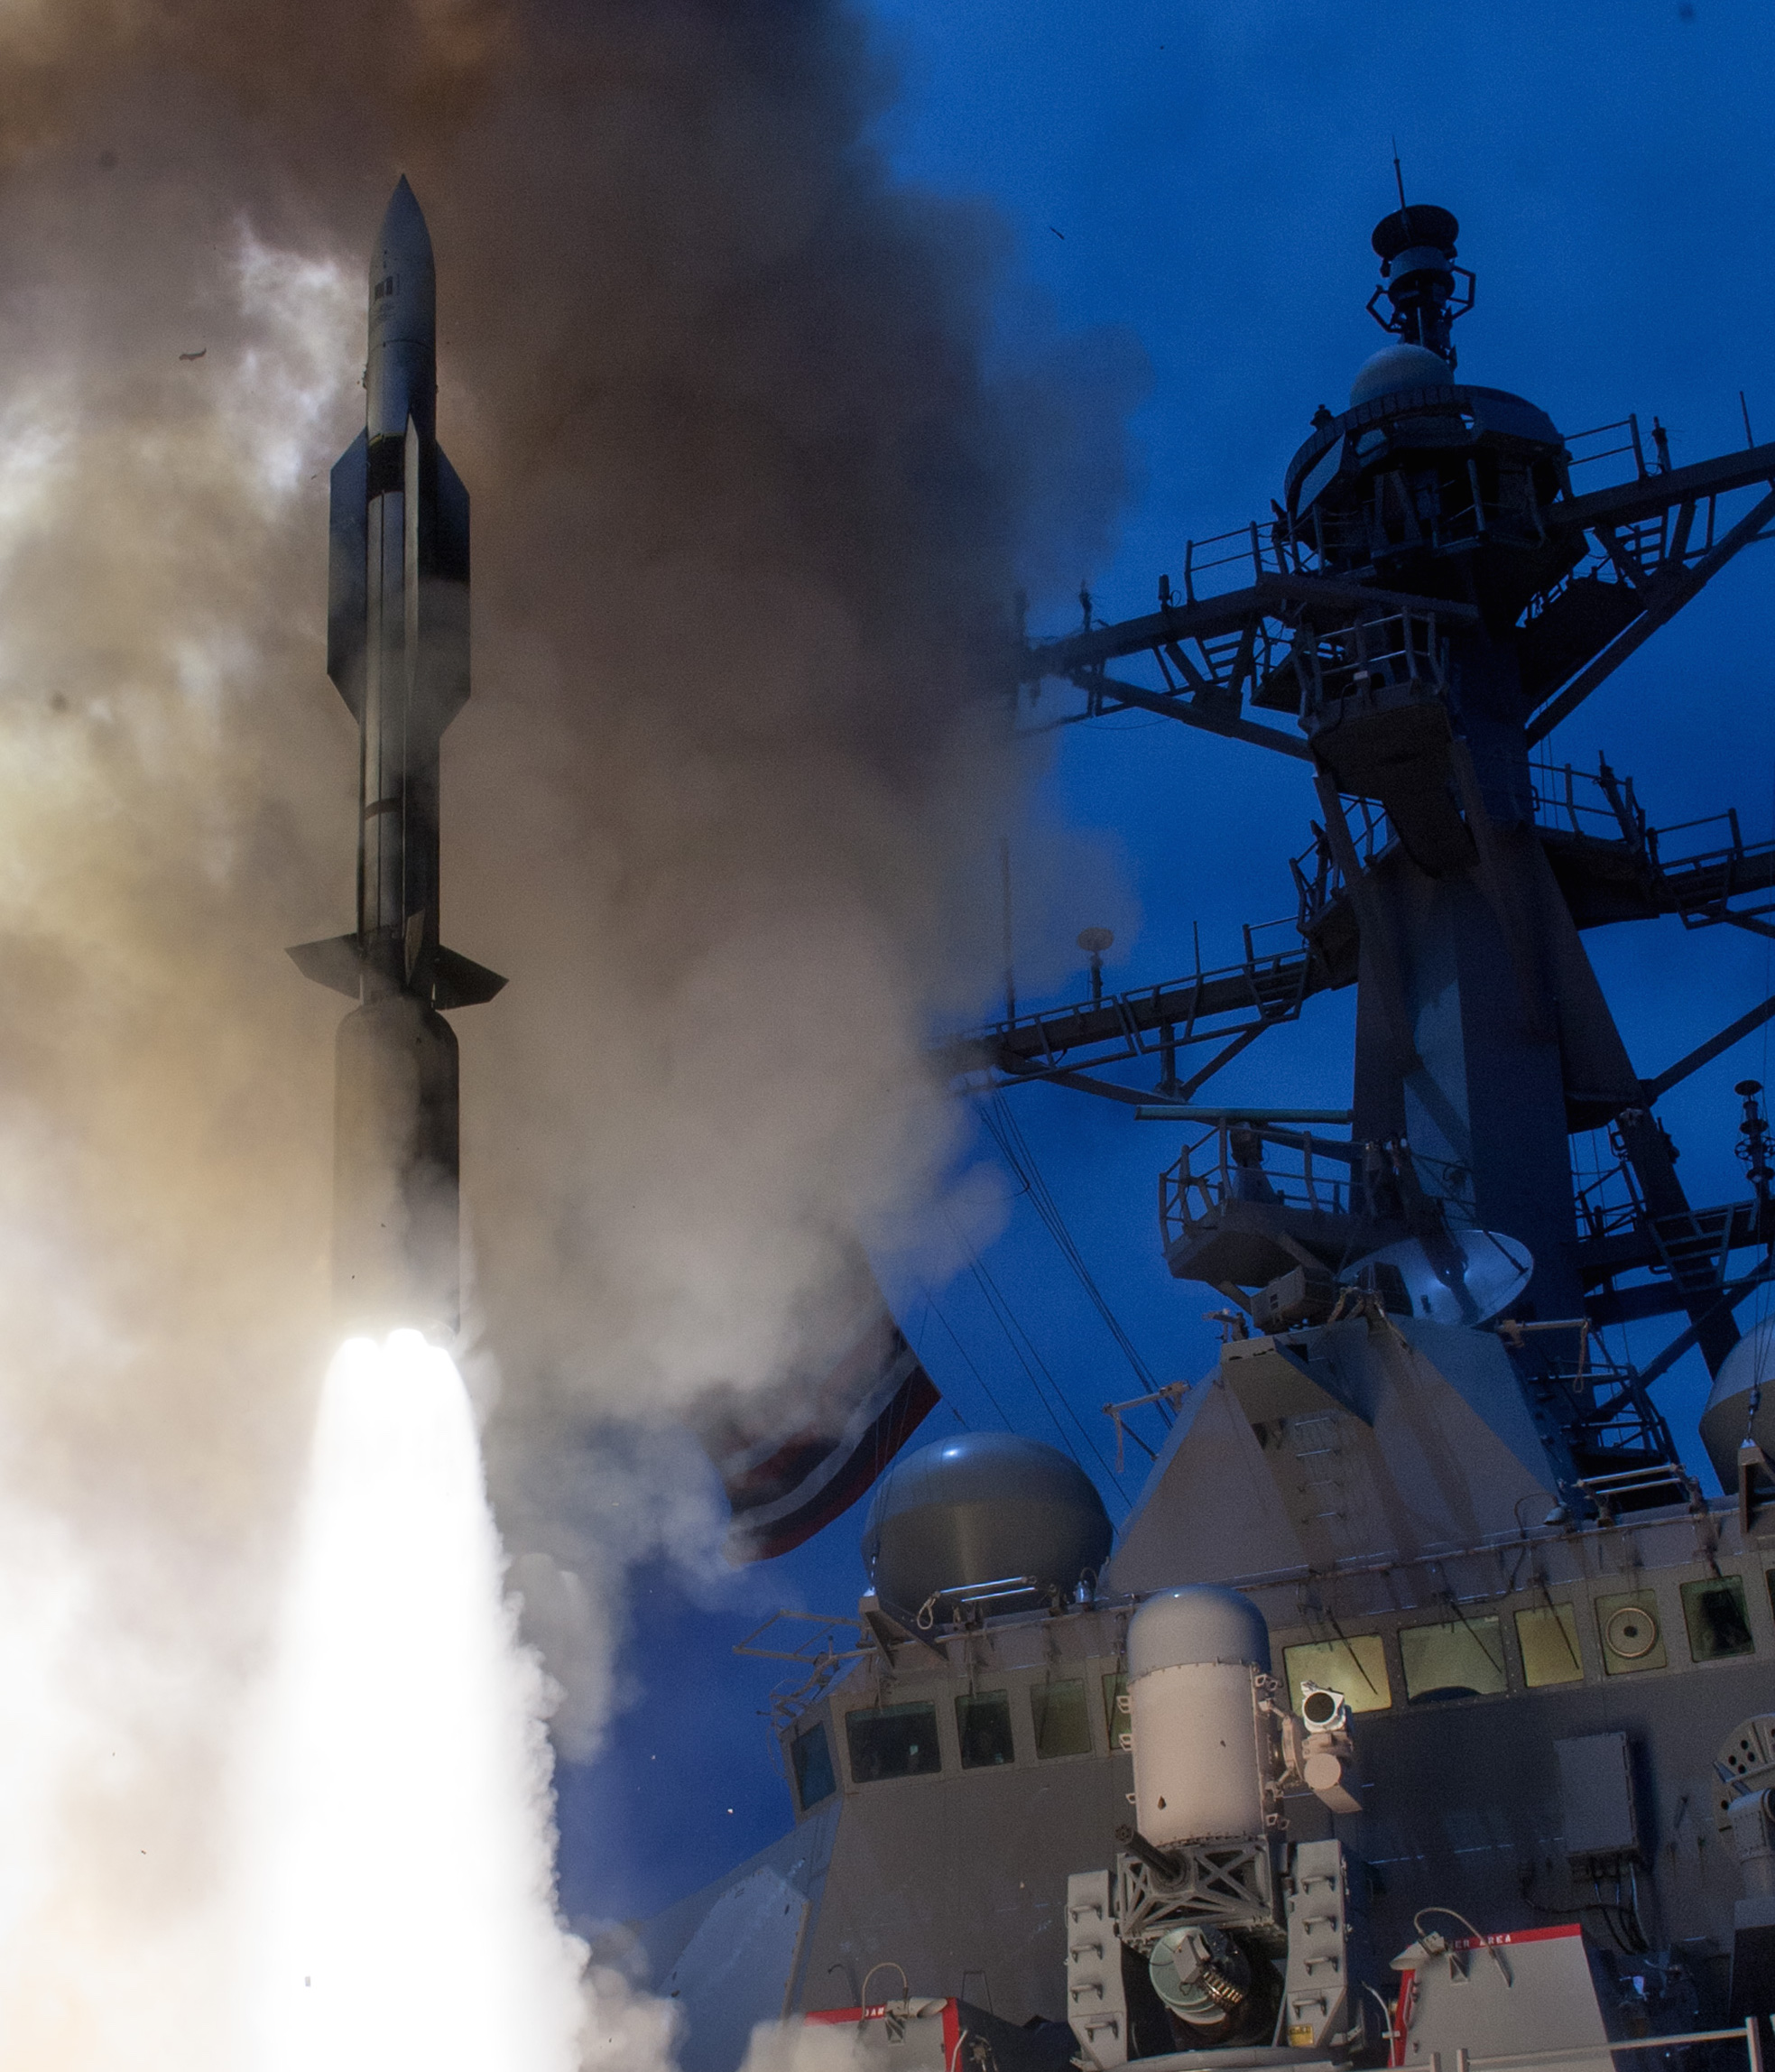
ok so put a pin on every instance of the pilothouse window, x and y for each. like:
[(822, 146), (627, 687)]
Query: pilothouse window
[(1713, 1613), (812, 1761), (983, 1727), (892, 1741), (1632, 1639), (1461, 1657), (1062, 1724), (1547, 1637), (1357, 1667)]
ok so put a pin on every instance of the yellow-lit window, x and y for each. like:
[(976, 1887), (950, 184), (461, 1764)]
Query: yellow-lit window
[(1547, 1637), (1357, 1667), (1462, 1658)]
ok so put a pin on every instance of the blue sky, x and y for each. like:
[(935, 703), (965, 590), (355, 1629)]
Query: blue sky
[(1201, 178)]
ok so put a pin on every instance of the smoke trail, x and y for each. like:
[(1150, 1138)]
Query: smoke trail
[(749, 502)]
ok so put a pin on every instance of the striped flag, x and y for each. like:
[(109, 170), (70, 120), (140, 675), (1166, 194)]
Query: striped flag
[(794, 1456)]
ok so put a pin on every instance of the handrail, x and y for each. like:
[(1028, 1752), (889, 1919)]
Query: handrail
[(1748, 2032)]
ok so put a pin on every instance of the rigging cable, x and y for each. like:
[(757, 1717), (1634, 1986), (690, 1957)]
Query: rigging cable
[(985, 1387), (1014, 1147), (1030, 1360)]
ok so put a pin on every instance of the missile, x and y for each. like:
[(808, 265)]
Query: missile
[(397, 648)]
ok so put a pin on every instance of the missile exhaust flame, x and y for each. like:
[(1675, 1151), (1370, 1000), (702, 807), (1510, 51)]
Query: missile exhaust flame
[(408, 1912)]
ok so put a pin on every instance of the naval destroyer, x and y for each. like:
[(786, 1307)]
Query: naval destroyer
[(1421, 1713)]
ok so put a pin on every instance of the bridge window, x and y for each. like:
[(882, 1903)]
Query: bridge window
[(810, 1759), (1357, 1667), (1547, 1637), (1116, 1721), (1062, 1722), (1713, 1613), (983, 1727), (1461, 1657), (892, 1741), (1631, 1638)]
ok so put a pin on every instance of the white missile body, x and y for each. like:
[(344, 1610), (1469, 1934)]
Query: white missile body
[(397, 648)]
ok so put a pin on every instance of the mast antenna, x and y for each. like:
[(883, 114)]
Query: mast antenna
[(1399, 177)]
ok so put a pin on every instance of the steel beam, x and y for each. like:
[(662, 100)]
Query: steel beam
[(1704, 1053), (1665, 597), (1192, 713), (1274, 597), (1650, 494)]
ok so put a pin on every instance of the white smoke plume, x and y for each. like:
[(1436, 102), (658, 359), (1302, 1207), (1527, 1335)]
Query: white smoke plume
[(750, 506)]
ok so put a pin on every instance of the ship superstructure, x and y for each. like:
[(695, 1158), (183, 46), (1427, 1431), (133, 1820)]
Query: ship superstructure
[(1425, 1705)]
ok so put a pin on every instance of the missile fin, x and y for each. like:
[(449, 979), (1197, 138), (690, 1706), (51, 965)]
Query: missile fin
[(458, 981), (452, 522), (348, 593), (451, 567), (338, 962)]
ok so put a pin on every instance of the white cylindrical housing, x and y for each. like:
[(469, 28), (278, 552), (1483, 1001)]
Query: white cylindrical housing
[(1201, 1743)]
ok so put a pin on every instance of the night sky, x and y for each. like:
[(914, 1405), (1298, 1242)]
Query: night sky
[(1196, 183)]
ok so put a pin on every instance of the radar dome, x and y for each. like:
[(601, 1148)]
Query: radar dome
[(1400, 367), (1197, 1623), (1726, 1421), (982, 1507)]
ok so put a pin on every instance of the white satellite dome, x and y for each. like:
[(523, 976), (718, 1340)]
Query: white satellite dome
[(1749, 1368), (1398, 366)]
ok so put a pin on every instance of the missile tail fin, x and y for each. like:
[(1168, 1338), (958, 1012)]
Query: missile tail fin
[(338, 962), (348, 594), (449, 611), (458, 981)]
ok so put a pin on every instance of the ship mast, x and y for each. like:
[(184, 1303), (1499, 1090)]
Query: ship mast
[(1432, 595)]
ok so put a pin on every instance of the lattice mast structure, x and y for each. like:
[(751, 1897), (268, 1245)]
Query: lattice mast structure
[(1430, 596)]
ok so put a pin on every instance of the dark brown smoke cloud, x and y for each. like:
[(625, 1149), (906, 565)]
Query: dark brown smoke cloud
[(753, 491)]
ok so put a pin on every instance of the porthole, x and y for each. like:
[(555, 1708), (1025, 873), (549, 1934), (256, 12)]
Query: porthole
[(1632, 1632)]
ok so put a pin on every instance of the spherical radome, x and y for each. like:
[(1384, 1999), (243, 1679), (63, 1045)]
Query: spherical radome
[(982, 1507), (1398, 366)]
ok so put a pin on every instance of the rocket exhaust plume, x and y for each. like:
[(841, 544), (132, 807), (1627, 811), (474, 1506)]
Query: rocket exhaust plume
[(408, 1909), (397, 648)]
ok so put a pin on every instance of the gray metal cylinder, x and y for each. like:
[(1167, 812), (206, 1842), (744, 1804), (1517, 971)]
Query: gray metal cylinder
[(396, 1239), (1202, 1753), (1200, 1623)]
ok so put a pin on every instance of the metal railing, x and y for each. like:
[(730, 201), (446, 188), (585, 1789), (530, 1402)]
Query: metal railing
[(1596, 804), (1317, 1176), (1611, 442), (1749, 2032), (1231, 560), (1231, 1160), (1610, 1205), (1365, 661), (1212, 1003), (818, 1656)]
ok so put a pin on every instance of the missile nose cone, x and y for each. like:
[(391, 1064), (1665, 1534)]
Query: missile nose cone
[(403, 239), (403, 284), (400, 373)]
